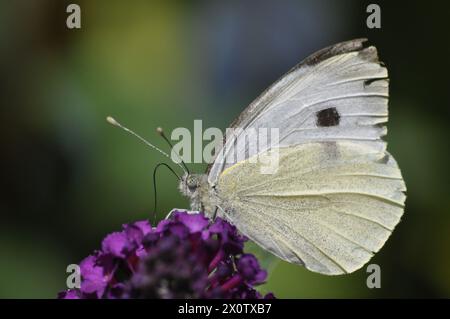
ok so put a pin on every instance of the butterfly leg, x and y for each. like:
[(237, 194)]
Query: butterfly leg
[(169, 215), (214, 215)]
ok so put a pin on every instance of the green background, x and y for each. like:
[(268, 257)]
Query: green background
[(68, 178)]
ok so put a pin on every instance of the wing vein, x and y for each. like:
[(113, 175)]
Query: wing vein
[(379, 197)]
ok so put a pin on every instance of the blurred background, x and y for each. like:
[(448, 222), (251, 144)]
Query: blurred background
[(68, 178)]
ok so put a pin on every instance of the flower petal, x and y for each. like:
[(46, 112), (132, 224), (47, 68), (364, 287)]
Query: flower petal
[(195, 222), (93, 277), (249, 268), (115, 243)]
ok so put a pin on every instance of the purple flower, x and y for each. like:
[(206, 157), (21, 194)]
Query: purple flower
[(95, 277), (186, 256), (115, 243), (248, 268), (69, 294)]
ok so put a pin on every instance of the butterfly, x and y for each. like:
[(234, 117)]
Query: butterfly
[(337, 194)]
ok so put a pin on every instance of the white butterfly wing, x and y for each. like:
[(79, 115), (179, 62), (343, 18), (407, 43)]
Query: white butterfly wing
[(337, 194), (329, 210), (346, 77)]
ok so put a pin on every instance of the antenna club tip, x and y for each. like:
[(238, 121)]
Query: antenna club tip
[(111, 120), (159, 130)]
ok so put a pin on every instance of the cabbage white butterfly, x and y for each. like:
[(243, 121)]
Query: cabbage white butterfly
[(337, 193)]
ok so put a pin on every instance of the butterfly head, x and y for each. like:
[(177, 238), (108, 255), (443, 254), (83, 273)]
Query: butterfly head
[(189, 184)]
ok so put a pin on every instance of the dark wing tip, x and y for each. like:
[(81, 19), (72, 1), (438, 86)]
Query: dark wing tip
[(336, 49)]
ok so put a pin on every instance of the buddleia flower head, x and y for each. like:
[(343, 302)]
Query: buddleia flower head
[(186, 256)]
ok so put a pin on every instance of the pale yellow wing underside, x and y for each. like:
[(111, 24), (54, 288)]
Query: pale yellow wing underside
[(330, 206)]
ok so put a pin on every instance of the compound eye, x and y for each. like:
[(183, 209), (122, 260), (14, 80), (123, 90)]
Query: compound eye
[(191, 183)]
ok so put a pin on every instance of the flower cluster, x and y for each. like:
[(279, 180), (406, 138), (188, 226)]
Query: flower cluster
[(186, 256)]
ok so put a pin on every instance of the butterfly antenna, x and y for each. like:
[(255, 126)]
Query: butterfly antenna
[(161, 132), (154, 186), (112, 121)]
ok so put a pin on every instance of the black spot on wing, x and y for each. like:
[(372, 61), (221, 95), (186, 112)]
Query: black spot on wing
[(384, 159), (328, 117), (368, 82)]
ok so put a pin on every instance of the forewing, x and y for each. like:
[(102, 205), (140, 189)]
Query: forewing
[(338, 93)]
